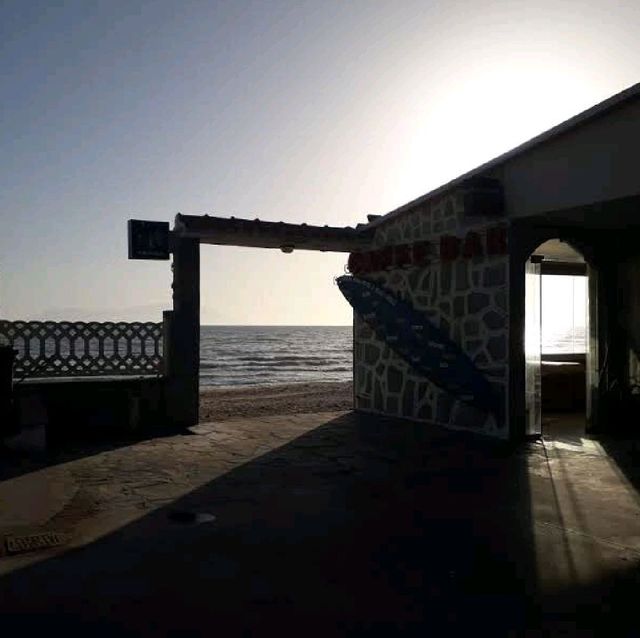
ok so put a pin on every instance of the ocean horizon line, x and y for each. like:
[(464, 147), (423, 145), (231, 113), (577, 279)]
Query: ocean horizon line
[(275, 325)]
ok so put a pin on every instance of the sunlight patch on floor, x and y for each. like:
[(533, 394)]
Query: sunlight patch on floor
[(586, 513)]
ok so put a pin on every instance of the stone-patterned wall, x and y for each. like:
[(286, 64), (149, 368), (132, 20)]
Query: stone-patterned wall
[(466, 297)]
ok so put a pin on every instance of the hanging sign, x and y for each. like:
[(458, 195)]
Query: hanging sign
[(148, 240)]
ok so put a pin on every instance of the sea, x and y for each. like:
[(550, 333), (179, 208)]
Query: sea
[(268, 355)]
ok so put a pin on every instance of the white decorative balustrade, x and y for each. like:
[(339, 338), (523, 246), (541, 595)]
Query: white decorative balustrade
[(81, 349)]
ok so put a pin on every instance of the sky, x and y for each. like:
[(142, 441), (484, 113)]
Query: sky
[(309, 111)]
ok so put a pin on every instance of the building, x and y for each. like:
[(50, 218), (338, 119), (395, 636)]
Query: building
[(458, 271)]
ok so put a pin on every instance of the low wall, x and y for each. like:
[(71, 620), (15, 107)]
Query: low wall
[(85, 379), (85, 408)]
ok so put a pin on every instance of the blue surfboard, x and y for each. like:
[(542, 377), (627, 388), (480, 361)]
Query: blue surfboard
[(420, 343)]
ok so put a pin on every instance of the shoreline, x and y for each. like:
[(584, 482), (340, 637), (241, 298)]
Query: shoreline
[(218, 403), (205, 389)]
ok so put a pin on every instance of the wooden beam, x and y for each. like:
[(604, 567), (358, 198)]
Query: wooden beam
[(576, 269), (261, 234)]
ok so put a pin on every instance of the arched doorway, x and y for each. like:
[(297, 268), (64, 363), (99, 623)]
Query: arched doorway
[(556, 340)]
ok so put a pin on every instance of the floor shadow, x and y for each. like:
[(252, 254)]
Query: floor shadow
[(624, 452), (28, 456), (362, 526)]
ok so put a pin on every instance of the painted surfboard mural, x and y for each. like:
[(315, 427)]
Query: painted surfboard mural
[(420, 343)]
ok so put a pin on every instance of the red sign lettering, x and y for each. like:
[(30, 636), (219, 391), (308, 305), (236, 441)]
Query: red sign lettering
[(472, 246), (449, 247), (419, 254), (497, 241), (402, 256)]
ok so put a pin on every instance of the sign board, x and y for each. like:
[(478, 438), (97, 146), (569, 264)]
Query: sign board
[(148, 240)]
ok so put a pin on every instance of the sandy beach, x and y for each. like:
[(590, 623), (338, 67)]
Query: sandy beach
[(219, 404)]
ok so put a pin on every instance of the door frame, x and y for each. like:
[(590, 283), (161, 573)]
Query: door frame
[(524, 237)]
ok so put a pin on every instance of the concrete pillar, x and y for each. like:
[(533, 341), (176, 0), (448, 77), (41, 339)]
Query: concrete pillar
[(518, 254), (613, 341), (594, 352), (182, 330)]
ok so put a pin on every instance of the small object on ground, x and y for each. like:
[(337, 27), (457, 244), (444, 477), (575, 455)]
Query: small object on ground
[(193, 518), (33, 542)]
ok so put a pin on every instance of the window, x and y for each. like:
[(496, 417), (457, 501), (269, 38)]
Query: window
[(564, 314)]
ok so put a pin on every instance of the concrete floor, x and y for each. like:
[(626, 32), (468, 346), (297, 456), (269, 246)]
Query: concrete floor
[(331, 523), (564, 425)]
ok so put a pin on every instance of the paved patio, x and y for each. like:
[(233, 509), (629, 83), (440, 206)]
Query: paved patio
[(330, 523)]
